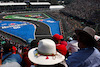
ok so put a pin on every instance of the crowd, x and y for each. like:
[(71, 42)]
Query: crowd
[(80, 50), (69, 24), (86, 9)]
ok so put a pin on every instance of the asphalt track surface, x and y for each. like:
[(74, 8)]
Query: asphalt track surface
[(42, 30)]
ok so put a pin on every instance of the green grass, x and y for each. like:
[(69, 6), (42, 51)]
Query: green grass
[(27, 18)]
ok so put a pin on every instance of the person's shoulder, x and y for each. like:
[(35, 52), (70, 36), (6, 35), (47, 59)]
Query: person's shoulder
[(12, 64), (15, 56), (74, 60), (61, 46), (79, 54), (96, 52), (74, 41), (63, 43)]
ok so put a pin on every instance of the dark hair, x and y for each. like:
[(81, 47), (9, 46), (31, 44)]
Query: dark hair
[(62, 40), (55, 41), (34, 43), (74, 37), (86, 39), (6, 47)]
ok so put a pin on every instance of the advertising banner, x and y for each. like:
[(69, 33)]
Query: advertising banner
[(53, 24), (23, 30)]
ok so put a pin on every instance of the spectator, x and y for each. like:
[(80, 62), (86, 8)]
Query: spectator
[(14, 49), (63, 42), (60, 44), (88, 55), (8, 56), (45, 55), (57, 38), (73, 45), (1, 53), (69, 39), (34, 44), (26, 62)]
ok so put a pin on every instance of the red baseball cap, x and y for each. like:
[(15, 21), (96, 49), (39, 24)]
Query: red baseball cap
[(57, 37)]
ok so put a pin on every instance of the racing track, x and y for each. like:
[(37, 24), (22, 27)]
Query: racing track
[(42, 30)]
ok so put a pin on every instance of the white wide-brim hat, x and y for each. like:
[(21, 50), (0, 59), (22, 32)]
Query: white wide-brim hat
[(45, 57)]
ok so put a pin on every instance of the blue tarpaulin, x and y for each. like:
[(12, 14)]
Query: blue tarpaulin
[(23, 30), (26, 30), (53, 24)]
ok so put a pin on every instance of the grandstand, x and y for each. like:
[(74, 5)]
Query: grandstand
[(6, 7), (22, 6), (73, 12), (84, 11), (24, 0), (25, 21)]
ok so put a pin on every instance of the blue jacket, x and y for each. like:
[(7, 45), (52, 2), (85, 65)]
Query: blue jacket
[(87, 57), (12, 58)]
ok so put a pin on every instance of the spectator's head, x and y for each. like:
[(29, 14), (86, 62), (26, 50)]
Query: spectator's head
[(69, 38), (7, 47), (85, 37), (74, 36), (57, 38), (34, 44), (46, 53)]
